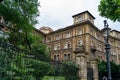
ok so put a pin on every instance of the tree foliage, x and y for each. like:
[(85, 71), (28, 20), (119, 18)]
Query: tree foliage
[(20, 13), (20, 17), (102, 69), (27, 62), (110, 9)]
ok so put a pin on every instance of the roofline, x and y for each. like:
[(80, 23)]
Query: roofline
[(84, 12), (115, 31), (74, 25), (39, 31), (46, 27)]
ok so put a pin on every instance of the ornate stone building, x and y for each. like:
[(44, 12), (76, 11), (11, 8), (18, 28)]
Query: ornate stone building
[(64, 41)]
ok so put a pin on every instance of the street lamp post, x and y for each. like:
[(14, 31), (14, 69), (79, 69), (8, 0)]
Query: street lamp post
[(107, 47)]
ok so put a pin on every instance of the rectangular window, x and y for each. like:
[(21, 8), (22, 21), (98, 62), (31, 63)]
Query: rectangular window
[(80, 18), (67, 35), (48, 39), (58, 37), (80, 32)]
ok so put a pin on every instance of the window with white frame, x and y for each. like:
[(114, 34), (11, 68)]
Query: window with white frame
[(80, 32), (57, 46), (67, 35), (67, 45), (91, 43), (113, 51), (58, 37)]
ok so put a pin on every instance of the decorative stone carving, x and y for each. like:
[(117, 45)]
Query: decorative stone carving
[(92, 55), (81, 62), (93, 49), (79, 49)]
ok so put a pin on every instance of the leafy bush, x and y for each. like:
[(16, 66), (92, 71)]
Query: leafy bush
[(40, 69), (68, 70), (102, 69)]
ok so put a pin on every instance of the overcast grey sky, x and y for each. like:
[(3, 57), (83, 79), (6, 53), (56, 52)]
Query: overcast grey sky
[(58, 13)]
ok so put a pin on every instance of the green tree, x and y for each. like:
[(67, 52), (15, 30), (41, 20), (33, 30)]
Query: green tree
[(102, 69), (20, 17), (110, 9), (39, 49)]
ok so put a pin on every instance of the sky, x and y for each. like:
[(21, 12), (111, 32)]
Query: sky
[(58, 13)]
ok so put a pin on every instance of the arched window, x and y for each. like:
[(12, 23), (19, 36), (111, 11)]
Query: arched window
[(57, 47), (67, 45), (67, 56), (80, 43), (55, 57)]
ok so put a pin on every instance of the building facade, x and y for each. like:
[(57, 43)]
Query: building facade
[(63, 42)]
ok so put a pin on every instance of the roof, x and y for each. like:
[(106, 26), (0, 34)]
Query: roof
[(47, 28), (73, 26), (39, 32), (83, 13), (115, 31)]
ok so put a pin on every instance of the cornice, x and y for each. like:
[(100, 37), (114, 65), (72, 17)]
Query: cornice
[(83, 13), (75, 25)]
